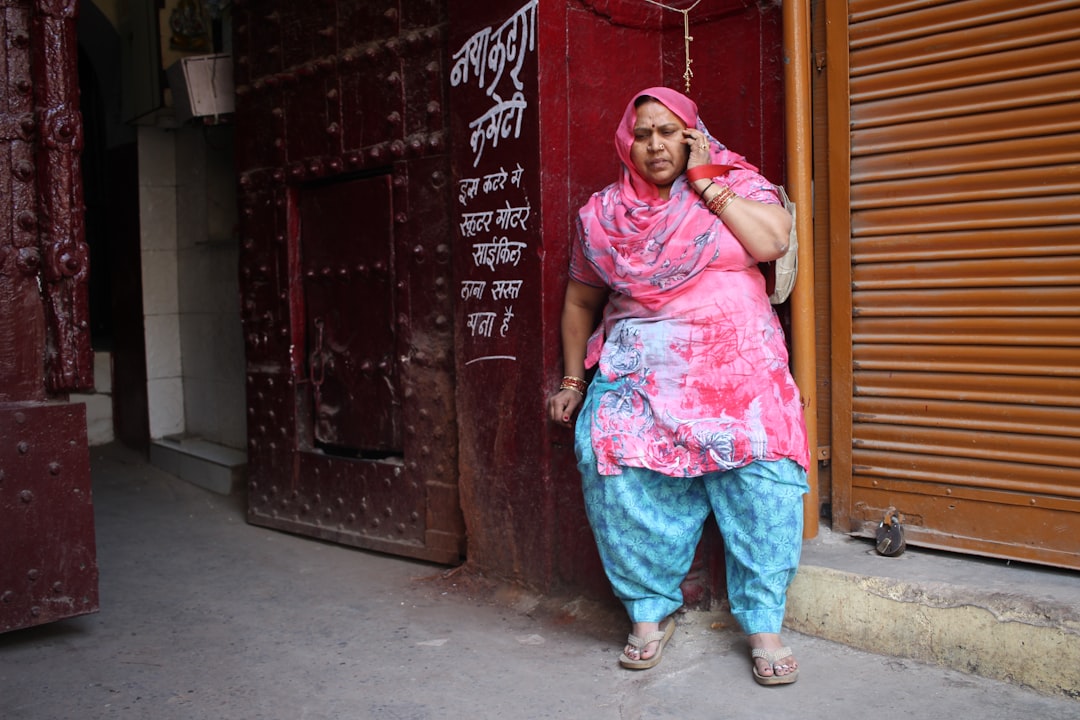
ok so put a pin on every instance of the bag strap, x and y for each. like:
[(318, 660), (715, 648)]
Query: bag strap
[(701, 172), (769, 269)]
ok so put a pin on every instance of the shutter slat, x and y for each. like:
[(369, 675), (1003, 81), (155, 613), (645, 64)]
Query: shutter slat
[(972, 444), (1023, 92), (971, 302), (996, 417), (977, 473), (967, 72), (1009, 243), (990, 360), (1032, 390), (970, 331), (995, 156), (919, 192), (969, 41), (998, 273), (860, 11), (982, 215), (877, 24), (946, 132)]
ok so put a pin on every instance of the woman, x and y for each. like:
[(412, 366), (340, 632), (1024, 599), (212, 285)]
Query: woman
[(692, 409)]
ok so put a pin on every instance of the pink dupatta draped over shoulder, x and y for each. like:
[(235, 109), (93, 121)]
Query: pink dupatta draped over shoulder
[(693, 370)]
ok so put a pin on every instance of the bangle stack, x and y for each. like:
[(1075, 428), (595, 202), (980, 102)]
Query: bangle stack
[(720, 201), (576, 384)]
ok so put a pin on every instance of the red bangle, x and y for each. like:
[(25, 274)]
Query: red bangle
[(721, 200), (707, 171), (576, 384)]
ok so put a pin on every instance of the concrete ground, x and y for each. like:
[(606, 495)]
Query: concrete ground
[(206, 617)]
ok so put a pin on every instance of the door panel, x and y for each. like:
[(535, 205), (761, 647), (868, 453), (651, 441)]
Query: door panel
[(48, 567), (48, 563), (346, 237)]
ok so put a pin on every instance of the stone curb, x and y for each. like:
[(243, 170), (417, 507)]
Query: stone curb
[(998, 635)]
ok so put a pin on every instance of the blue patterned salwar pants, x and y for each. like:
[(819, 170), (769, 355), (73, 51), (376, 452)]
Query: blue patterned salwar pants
[(647, 527)]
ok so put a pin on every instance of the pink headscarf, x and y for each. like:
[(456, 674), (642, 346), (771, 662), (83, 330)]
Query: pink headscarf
[(686, 110), (644, 246)]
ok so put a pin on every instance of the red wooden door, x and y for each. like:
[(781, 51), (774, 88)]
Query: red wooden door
[(346, 275), (48, 568)]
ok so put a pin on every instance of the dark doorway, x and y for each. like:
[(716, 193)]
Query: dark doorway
[(110, 172)]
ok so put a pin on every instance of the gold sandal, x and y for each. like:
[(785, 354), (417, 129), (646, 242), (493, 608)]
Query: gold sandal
[(772, 657), (662, 635)]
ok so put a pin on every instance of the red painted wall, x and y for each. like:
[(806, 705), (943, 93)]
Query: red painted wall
[(520, 492)]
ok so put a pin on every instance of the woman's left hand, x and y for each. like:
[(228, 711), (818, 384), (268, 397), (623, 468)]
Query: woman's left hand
[(700, 153)]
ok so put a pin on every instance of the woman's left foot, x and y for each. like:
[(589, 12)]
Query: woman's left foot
[(773, 663)]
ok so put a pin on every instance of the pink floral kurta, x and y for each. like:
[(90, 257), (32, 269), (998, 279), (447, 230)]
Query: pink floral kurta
[(693, 372)]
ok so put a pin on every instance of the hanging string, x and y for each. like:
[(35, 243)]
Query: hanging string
[(687, 38)]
